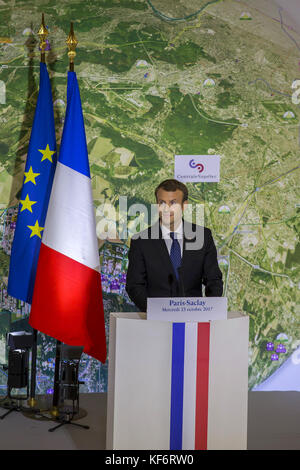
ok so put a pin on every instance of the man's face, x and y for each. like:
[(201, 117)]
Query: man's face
[(170, 207)]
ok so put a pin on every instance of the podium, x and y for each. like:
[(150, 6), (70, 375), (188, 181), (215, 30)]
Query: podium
[(177, 386)]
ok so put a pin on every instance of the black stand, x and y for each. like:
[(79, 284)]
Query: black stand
[(32, 400), (19, 344), (66, 384), (55, 401), (15, 404), (13, 407), (67, 419)]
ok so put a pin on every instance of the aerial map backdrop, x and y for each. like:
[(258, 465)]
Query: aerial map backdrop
[(160, 78)]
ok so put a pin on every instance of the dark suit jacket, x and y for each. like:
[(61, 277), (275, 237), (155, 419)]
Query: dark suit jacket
[(150, 272)]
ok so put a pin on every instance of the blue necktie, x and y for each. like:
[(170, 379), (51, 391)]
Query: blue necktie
[(175, 253)]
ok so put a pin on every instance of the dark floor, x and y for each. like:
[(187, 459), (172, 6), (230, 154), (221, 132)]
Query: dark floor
[(273, 424)]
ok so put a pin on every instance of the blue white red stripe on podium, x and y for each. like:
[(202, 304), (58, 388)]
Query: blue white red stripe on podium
[(189, 386)]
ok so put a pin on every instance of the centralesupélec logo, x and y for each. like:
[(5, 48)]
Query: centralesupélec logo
[(193, 164)]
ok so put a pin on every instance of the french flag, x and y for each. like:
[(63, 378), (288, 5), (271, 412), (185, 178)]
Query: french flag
[(67, 299)]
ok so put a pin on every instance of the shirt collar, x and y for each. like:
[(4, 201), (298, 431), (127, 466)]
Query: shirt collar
[(166, 231)]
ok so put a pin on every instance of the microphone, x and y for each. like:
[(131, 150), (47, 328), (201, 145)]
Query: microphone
[(180, 279), (170, 282)]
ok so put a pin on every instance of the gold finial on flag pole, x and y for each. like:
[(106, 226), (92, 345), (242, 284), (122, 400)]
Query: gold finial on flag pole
[(72, 44), (43, 33)]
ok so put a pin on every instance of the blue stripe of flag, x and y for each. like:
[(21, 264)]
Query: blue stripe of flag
[(178, 344), (73, 149)]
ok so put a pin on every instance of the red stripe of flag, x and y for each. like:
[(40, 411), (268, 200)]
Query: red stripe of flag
[(202, 386), (67, 302)]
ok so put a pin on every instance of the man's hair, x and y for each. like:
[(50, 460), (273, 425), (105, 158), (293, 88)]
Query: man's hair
[(173, 185)]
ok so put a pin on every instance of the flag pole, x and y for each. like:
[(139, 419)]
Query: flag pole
[(72, 44), (55, 401), (42, 33)]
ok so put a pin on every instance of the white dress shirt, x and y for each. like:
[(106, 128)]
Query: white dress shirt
[(168, 240)]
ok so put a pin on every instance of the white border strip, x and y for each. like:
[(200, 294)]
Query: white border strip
[(70, 226), (189, 390)]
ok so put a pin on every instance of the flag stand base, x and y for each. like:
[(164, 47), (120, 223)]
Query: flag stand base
[(55, 412), (66, 385), (15, 405), (32, 403), (67, 419)]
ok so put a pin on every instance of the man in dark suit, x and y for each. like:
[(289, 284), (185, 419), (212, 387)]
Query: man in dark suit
[(172, 257)]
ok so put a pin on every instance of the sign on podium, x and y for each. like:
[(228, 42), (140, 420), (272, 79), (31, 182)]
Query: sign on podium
[(185, 309), (178, 384)]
